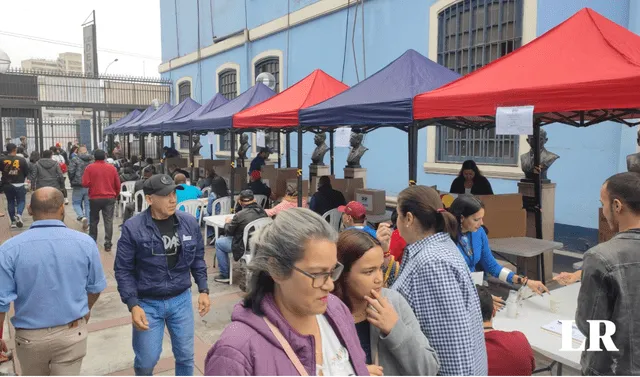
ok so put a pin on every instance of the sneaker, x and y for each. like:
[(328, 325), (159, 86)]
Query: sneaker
[(19, 222), (66, 201), (85, 223), (13, 224), (107, 248), (221, 279)]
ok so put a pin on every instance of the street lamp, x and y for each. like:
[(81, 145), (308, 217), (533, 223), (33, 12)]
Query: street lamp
[(5, 62), (109, 65)]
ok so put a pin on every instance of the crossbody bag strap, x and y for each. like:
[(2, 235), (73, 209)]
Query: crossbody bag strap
[(287, 348)]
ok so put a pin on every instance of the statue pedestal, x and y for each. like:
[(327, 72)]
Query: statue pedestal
[(318, 171), (528, 266), (195, 172), (350, 173)]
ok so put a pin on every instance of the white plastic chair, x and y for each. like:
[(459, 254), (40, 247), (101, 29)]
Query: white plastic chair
[(334, 217), (138, 197), (192, 206), (246, 257), (225, 209), (262, 200), (127, 186), (206, 191)]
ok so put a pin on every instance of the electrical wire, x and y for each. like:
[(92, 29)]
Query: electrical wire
[(78, 45), (286, 71), (353, 42), (175, 6), (346, 36), (364, 54)]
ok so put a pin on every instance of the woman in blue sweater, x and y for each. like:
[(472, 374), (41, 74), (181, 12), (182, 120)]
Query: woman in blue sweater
[(473, 243)]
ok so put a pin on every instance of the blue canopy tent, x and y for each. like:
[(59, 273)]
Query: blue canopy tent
[(136, 126), (181, 124), (118, 129), (383, 99), (125, 119), (156, 125), (222, 117)]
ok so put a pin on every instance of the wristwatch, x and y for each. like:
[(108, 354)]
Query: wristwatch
[(206, 290)]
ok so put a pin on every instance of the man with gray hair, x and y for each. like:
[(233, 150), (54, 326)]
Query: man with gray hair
[(53, 276), (80, 195)]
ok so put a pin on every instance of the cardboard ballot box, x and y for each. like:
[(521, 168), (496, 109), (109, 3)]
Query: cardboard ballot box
[(373, 200), (282, 176)]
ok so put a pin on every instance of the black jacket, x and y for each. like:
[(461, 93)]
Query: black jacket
[(259, 188), (481, 186), (14, 169), (76, 168), (236, 227), (326, 199)]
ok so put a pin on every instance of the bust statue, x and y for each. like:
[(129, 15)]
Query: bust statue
[(195, 149), (317, 158), (633, 160), (546, 158), (357, 150), (244, 147)]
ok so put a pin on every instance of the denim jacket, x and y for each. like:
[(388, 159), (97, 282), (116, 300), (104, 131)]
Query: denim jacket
[(141, 268), (609, 291)]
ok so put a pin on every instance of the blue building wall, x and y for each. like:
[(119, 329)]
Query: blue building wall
[(587, 156)]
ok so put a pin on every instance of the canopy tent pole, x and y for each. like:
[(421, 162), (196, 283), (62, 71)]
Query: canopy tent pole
[(211, 151), (173, 143), (232, 175), (413, 153), (300, 191), (142, 147), (331, 150), (128, 146), (279, 154), (537, 187), (288, 147), (190, 154)]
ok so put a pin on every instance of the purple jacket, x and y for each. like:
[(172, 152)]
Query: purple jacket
[(248, 348)]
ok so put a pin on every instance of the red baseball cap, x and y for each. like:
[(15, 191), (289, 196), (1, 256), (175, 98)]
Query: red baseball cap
[(255, 175), (354, 209)]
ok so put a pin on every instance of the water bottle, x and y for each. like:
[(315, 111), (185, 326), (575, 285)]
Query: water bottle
[(512, 305)]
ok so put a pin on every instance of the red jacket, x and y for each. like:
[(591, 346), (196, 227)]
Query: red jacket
[(102, 180), (509, 353)]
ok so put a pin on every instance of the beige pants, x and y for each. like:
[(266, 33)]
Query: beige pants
[(54, 351)]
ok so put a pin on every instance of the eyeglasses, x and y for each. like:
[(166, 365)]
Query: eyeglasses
[(319, 279)]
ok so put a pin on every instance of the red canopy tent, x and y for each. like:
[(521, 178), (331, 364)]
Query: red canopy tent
[(582, 72), (282, 110)]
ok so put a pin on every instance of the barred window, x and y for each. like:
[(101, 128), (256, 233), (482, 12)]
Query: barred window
[(271, 65), (228, 83), (471, 34), (225, 143), (184, 91), (184, 142)]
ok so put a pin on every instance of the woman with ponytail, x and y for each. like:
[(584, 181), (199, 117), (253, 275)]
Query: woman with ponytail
[(289, 324), (473, 243), (437, 284)]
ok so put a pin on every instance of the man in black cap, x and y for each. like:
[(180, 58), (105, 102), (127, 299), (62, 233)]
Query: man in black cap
[(234, 229), (158, 252)]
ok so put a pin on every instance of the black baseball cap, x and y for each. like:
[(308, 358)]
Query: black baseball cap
[(246, 196), (160, 184)]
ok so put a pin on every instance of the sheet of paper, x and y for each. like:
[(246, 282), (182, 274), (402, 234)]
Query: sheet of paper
[(556, 327), (366, 200), (516, 120), (211, 138), (477, 277), (260, 142), (343, 137)]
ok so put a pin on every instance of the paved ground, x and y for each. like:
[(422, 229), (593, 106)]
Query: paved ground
[(109, 345)]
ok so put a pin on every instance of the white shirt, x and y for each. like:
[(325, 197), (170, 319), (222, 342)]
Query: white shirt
[(467, 190), (335, 357)]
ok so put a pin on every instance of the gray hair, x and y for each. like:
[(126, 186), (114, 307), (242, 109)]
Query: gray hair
[(277, 246)]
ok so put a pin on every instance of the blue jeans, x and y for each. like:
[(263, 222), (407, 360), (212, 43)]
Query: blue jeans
[(177, 313), (223, 249), (15, 199), (80, 200)]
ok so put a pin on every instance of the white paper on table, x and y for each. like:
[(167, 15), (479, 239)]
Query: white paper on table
[(556, 327), (211, 137), (517, 120), (477, 277), (343, 137), (260, 142)]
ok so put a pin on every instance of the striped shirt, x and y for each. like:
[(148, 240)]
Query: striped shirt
[(436, 282)]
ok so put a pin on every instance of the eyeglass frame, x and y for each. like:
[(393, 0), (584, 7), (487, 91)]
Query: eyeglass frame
[(327, 275)]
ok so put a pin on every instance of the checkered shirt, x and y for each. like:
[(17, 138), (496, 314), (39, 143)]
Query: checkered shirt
[(436, 282)]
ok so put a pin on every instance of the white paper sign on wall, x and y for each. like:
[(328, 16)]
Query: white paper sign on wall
[(343, 137), (211, 137), (260, 139), (517, 120)]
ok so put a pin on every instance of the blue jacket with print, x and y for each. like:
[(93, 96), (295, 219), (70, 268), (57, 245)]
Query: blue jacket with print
[(141, 267)]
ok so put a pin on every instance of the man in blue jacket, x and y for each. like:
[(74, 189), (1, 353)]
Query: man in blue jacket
[(158, 252)]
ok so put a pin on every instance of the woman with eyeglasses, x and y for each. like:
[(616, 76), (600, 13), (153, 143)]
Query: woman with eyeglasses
[(388, 330), (473, 243), (289, 324)]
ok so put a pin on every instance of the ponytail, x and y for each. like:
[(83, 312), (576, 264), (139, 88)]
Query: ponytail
[(426, 206), (447, 223)]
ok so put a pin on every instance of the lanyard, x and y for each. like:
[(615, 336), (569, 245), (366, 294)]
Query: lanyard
[(287, 348)]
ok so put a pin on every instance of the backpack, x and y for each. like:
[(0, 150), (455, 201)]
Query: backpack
[(63, 167)]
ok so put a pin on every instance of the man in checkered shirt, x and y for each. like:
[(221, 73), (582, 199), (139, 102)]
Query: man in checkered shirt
[(437, 283)]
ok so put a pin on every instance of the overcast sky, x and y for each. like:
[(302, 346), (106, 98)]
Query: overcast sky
[(131, 26)]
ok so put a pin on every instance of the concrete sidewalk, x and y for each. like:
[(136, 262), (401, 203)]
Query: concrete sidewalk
[(109, 344)]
